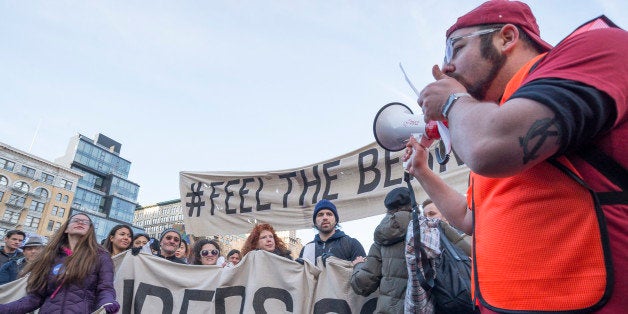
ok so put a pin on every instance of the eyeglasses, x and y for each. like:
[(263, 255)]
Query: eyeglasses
[(80, 221), (449, 44), (205, 253), (172, 238)]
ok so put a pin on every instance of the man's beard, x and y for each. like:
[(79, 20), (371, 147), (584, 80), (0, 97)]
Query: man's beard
[(479, 88), (327, 230)]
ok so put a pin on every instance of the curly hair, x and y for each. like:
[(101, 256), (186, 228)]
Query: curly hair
[(251, 242), (198, 245)]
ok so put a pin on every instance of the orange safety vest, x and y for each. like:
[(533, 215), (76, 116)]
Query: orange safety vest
[(540, 241)]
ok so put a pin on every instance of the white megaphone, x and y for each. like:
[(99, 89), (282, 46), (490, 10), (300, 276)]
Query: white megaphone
[(395, 123)]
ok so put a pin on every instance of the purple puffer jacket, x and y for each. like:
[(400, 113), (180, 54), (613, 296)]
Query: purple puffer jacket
[(96, 290)]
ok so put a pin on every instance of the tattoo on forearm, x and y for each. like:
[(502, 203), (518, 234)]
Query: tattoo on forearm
[(538, 134)]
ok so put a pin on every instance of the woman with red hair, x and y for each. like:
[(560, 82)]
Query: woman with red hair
[(263, 237)]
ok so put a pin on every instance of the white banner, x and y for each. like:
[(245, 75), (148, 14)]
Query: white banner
[(217, 203), (262, 283)]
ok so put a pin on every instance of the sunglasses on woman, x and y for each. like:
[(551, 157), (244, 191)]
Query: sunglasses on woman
[(205, 253)]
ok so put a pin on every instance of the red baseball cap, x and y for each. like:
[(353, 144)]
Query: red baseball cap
[(502, 12)]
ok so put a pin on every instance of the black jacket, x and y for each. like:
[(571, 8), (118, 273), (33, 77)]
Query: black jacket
[(339, 245)]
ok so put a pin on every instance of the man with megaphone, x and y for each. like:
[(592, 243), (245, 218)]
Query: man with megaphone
[(543, 131)]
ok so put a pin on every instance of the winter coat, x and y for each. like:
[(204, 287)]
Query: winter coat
[(10, 270), (4, 257), (385, 265), (339, 245), (173, 258), (95, 290)]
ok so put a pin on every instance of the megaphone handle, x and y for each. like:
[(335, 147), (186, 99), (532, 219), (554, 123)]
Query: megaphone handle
[(407, 163)]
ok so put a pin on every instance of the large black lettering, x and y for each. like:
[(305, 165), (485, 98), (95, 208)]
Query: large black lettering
[(244, 191), (223, 293), (265, 293), (229, 194), (369, 307), (213, 195), (323, 306), (195, 295), (127, 296), (162, 293), (196, 202), (363, 168), (388, 163), (307, 184), (260, 206), (328, 179), (288, 176)]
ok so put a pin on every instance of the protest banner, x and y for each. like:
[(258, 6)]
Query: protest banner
[(261, 283), (220, 203)]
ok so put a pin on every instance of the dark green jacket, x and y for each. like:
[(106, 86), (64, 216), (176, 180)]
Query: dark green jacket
[(385, 266)]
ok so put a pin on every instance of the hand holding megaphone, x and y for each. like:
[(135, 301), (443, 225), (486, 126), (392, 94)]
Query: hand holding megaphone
[(395, 123), (431, 132)]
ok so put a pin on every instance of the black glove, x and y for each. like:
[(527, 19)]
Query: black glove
[(136, 250), (325, 256)]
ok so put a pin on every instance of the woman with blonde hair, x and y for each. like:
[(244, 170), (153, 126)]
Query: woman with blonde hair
[(263, 237), (72, 275)]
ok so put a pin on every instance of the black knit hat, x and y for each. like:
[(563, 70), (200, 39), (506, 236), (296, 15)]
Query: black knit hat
[(397, 198), (163, 233)]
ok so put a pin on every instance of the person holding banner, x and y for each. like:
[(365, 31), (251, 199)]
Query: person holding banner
[(140, 239), (73, 274), (206, 252), (169, 243), (263, 237), (119, 239), (233, 258), (330, 241), (385, 266), (183, 251), (543, 130)]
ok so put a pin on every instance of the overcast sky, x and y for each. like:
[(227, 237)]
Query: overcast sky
[(225, 85)]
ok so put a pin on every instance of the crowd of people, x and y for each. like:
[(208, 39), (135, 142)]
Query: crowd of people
[(541, 129), (56, 274), (74, 273)]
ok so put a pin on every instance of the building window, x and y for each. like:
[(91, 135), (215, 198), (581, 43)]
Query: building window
[(65, 199), (1, 195), (58, 211), (22, 186), (41, 192), (6, 164), (47, 178), (57, 226), (58, 198), (17, 200), (50, 225), (36, 206), (10, 216), (66, 184), (28, 172), (4, 181), (31, 221)]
